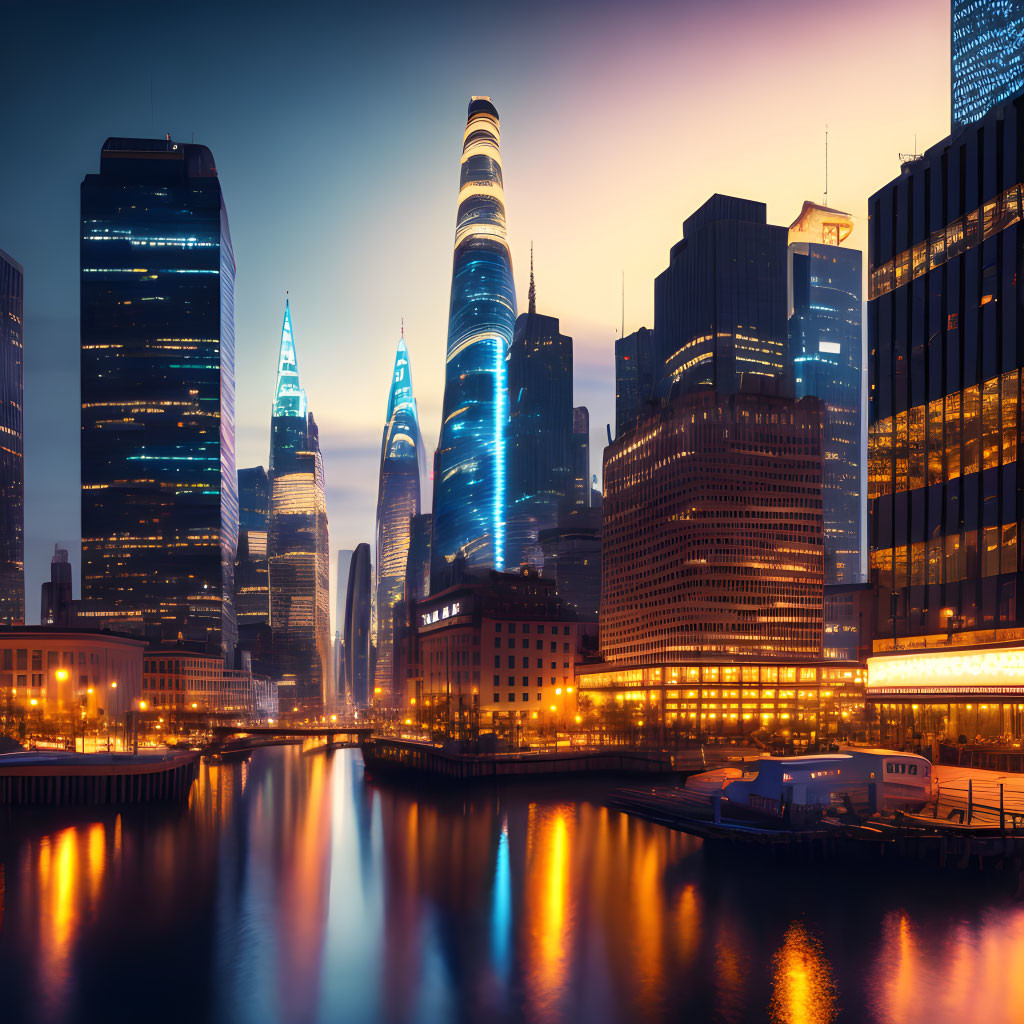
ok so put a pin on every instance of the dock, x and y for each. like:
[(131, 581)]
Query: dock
[(62, 779), (412, 757)]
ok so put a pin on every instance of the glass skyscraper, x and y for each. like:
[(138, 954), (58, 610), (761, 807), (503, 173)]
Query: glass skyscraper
[(297, 543), (252, 587), (987, 55), (357, 627), (826, 345), (469, 465), (159, 497), (12, 458), (720, 306), (636, 373), (398, 500)]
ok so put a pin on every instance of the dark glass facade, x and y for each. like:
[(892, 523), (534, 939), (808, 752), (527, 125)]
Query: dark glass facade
[(297, 544), (540, 439), (398, 501), (470, 462), (12, 446), (340, 594), (826, 345), (581, 477), (572, 558), (159, 498), (252, 577), (417, 566), (357, 627), (987, 55), (56, 607), (720, 306), (945, 356), (636, 373)]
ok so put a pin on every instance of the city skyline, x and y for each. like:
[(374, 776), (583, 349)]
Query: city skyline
[(344, 303)]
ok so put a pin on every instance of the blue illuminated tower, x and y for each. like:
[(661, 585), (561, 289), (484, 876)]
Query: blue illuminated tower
[(398, 500), (986, 56), (469, 465)]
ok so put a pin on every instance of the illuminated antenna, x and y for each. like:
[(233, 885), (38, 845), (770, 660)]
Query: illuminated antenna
[(825, 203)]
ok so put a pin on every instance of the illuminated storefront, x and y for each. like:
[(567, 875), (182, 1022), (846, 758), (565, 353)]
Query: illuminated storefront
[(798, 702)]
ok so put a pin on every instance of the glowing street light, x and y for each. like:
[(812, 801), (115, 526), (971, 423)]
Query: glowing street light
[(62, 675)]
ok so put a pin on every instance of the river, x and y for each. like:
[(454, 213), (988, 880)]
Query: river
[(293, 889)]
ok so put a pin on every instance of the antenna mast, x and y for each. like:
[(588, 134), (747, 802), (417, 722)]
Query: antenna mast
[(826, 166), (622, 328)]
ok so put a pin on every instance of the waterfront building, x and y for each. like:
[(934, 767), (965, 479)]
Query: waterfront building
[(470, 463), (496, 650), (49, 672), (398, 501), (571, 556), (694, 698), (944, 381), (252, 571), (720, 305), (540, 431), (56, 607), (712, 531), (826, 347), (297, 543), (581, 478), (12, 451), (637, 370), (184, 680), (987, 56), (357, 628), (159, 491)]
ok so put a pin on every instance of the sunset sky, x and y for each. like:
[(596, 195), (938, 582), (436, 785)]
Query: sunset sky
[(337, 131)]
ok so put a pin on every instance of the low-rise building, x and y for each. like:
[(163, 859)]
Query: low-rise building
[(181, 679)]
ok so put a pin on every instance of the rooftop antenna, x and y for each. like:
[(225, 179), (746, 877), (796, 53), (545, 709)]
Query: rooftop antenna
[(622, 326), (403, 328), (533, 287), (825, 203)]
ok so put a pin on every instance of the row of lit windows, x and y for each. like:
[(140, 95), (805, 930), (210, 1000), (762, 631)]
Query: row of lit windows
[(950, 558), (958, 236)]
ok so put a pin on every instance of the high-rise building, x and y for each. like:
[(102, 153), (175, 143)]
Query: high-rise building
[(417, 565), (826, 346), (540, 440), (357, 627), (159, 491), (470, 463), (712, 531), (572, 558), (945, 495), (56, 607), (637, 370), (297, 543), (341, 592), (720, 306), (12, 457), (252, 576), (581, 455), (987, 56), (398, 501)]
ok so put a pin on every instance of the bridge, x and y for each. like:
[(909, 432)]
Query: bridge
[(233, 738)]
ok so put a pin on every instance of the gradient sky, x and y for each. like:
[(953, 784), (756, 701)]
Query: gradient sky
[(337, 130)]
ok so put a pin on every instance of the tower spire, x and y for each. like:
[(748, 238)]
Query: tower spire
[(533, 287), (289, 398)]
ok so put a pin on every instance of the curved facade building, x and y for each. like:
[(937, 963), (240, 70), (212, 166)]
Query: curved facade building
[(357, 627), (398, 500), (469, 466)]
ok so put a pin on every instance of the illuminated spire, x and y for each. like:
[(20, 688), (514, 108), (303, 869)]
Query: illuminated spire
[(289, 398), (533, 287), (401, 380)]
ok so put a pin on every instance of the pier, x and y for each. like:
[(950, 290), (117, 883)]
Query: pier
[(56, 778)]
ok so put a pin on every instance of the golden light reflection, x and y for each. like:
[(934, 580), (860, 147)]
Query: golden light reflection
[(803, 990)]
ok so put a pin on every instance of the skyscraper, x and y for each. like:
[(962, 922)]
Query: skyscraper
[(469, 465), (297, 542), (581, 455), (12, 458), (398, 500), (987, 55), (417, 566), (636, 372), (539, 449), (357, 627), (56, 607), (340, 594), (252, 577), (720, 306), (826, 345), (159, 497)]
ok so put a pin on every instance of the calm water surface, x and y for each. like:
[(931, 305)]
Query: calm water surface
[(293, 889)]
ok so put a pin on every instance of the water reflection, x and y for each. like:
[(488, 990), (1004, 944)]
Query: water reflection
[(294, 890)]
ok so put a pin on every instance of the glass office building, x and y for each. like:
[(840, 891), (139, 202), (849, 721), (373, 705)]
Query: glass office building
[(252, 586), (944, 337), (159, 490), (826, 345), (987, 56), (398, 501), (636, 373), (470, 462), (297, 544), (357, 627), (12, 447), (720, 306)]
